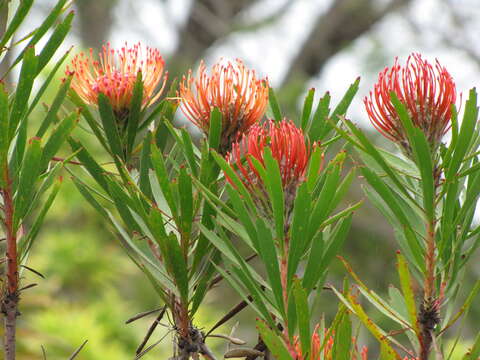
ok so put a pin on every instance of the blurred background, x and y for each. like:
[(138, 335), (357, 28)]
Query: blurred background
[(90, 286)]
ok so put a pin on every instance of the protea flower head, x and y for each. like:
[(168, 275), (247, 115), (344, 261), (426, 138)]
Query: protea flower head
[(288, 146), (236, 91), (428, 92), (114, 75)]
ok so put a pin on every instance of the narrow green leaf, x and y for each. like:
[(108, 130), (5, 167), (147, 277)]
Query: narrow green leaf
[(319, 122), (269, 256), (58, 137), (134, 113), (28, 176), (92, 167), (186, 200), (163, 179), (275, 108), (474, 352), (87, 115), (273, 341), (465, 136), (343, 338), (215, 130), (189, 152), (314, 167), (42, 29), (406, 284), (301, 216), (179, 266), (144, 181), (20, 14), (273, 181), (54, 41), (53, 110), (24, 88), (303, 315), (307, 109), (342, 107), (312, 271), (26, 241), (110, 126)]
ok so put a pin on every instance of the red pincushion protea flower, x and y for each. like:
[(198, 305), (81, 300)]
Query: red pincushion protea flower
[(428, 93), (288, 146), (234, 90), (115, 73)]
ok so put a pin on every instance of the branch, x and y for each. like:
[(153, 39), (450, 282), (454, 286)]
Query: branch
[(344, 22)]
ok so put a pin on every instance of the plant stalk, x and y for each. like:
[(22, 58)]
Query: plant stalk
[(10, 294)]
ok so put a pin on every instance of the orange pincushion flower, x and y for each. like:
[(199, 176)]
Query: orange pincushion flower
[(427, 92), (115, 73), (234, 90)]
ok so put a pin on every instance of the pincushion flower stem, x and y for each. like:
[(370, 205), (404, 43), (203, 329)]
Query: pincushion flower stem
[(10, 296)]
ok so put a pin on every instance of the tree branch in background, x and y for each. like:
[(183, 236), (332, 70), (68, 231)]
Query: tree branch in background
[(344, 22), (96, 20)]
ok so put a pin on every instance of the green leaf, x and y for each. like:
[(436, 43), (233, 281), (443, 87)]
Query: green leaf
[(56, 104), (269, 257), (272, 101), (303, 315), (319, 123), (134, 113), (474, 352), (93, 168), (42, 29), (58, 137), (301, 216), (186, 201), (314, 168), (307, 109), (24, 88), (465, 136), (342, 107), (407, 289), (274, 185), (179, 266), (233, 177), (343, 337), (422, 154), (387, 351), (20, 14), (87, 115), (54, 41), (312, 271), (163, 179), (110, 126), (215, 130), (144, 181), (273, 342), (28, 176), (335, 243), (189, 152), (26, 242)]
